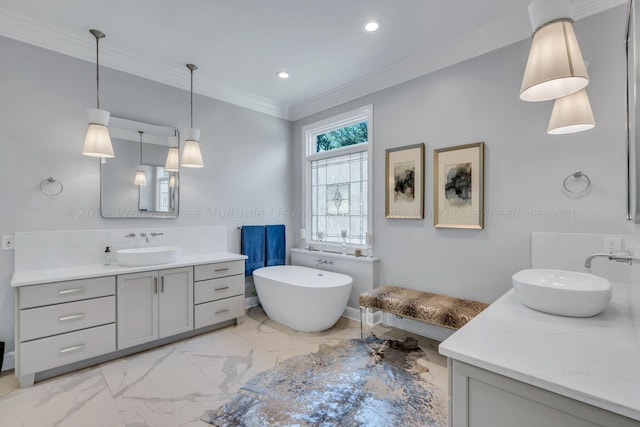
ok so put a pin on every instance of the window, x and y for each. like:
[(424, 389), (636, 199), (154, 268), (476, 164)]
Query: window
[(337, 190)]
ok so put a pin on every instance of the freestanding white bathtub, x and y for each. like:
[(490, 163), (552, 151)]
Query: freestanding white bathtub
[(302, 298)]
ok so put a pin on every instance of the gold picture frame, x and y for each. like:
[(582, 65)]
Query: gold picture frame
[(404, 179), (458, 186)]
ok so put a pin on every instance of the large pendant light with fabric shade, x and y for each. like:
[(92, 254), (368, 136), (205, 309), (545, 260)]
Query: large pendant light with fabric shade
[(571, 113), (555, 67), (191, 156), (97, 143)]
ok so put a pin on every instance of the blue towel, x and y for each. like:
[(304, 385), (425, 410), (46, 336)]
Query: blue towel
[(252, 242), (276, 247)]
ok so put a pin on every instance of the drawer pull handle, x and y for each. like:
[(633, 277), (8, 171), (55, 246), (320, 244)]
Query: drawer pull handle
[(221, 289), (70, 291), (71, 317), (226, 310), (220, 270), (70, 349)]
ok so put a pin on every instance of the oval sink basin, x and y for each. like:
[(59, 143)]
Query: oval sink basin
[(137, 257), (565, 293)]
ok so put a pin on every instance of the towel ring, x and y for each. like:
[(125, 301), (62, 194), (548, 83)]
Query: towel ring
[(50, 180), (577, 175)]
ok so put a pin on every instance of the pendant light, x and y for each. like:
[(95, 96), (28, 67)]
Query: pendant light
[(141, 177), (191, 156), (571, 113), (173, 156), (97, 143), (555, 67)]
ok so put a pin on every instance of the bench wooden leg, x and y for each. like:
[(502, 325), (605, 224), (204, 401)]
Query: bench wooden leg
[(366, 321)]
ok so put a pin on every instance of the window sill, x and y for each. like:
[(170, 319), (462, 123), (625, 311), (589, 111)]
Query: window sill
[(336, 255)]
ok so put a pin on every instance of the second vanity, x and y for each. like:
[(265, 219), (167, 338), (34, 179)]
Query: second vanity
[(70, 317), (512, 365)]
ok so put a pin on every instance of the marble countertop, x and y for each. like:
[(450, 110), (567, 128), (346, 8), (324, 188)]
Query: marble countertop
[(593, 360), (34, 277)]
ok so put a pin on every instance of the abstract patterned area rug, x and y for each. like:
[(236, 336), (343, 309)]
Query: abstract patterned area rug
[(355, 383)]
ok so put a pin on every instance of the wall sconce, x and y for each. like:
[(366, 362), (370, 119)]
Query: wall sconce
[(141, 178), (555, 67), (173, 156), (173, 182), (97, 143), (191, 156)]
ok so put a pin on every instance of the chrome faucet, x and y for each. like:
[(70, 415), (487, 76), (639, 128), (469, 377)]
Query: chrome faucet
[(320, 261), (131, 235), (145, 236), (157, 234), (626, 256)]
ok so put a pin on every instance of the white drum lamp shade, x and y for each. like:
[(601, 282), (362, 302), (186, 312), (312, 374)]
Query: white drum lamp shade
[(191, 155), (555, 67), (173, 157), (571, 114), (140, 179), (97, 143)]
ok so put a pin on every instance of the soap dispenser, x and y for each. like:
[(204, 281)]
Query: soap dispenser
[(107, 256)]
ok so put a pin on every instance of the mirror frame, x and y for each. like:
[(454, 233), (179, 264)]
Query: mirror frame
[(129, 128), (633, 124)]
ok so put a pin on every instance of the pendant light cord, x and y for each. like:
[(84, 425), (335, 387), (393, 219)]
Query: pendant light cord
[(97, 74), (98, 35), (191, 68), (140, 132)]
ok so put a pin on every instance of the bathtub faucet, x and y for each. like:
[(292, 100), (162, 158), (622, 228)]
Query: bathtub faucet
[(320, 261)]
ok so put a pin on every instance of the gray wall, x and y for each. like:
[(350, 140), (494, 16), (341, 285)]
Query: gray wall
[(524, 167), (246, 178)]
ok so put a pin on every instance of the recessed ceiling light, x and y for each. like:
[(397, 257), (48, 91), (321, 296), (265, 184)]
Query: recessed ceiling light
[(282, 75), (371, 26)]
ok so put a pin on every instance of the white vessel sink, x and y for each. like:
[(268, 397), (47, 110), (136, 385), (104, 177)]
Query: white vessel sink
[(565, 293), (137, 257)]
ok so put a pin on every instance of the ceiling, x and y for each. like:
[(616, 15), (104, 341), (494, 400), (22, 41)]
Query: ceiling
[(239, 45)]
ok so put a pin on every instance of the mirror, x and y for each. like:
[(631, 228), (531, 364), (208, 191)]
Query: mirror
[(119, 196), (633, 124)]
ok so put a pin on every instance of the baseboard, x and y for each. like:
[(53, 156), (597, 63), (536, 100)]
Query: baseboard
[(354, 314), (438, 333), (251, 302), (9, 361)]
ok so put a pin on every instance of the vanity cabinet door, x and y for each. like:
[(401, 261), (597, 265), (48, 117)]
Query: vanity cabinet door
[(176, 301), (137, 318)]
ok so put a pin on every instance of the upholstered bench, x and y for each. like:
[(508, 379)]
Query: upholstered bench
[(441, 310)]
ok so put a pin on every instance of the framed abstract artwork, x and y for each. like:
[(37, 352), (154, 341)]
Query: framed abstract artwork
[(458, 186), (404, 171)]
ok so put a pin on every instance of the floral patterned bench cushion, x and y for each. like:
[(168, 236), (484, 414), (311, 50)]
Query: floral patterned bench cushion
[(440, 310)]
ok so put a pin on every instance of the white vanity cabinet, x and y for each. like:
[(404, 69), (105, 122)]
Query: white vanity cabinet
[(480, 398), (63, 322), (153, 305), (218, 292)]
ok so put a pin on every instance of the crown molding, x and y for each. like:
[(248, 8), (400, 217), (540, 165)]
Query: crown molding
[(485, 39), (71, 44), (488, 38)]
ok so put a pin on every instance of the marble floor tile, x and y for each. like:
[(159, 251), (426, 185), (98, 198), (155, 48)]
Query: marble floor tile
[(175, 384)]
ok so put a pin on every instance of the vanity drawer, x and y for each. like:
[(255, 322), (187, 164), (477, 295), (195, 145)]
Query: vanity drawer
[(73, 290), (47, 353), (219, 269), (61, 318), (216, 289), (219, 311)]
